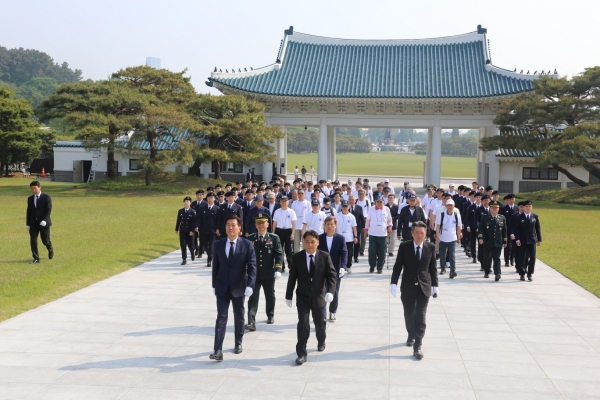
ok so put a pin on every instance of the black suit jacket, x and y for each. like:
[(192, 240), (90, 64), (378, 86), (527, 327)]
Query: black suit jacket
[(206, 220), (423, 271), (224, 212), (508, 213), (311, 293), (35, 215), (339, 251), (360, 218), (406, 218), (186, 222), (527, 231), (239, 273)]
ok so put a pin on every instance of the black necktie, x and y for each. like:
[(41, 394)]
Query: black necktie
[(37, 200), (231, 251), (352, 209), (417, 253), (312, 267)]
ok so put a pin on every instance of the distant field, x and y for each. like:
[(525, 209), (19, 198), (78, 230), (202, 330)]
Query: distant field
[(388, 163)]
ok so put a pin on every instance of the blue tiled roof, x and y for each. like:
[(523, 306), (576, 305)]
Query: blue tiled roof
[(310, 66)]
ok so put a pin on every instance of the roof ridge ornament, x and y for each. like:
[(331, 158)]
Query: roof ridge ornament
[(481, 30), (289, 31)]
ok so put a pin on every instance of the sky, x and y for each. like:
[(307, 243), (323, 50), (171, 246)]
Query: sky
[(101, 37)]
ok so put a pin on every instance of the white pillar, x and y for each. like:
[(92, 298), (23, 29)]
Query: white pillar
[(427, 177), (331, 152), (267, 171), (322, 162), (435, 170), (516, 177), (494, 175)]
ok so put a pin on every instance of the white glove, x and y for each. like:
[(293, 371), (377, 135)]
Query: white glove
[(393, 289), (288, 302), (27, 227), (328, 297), (248, 291), (43, 223), (277, 275), (436, 291), (342, 272)]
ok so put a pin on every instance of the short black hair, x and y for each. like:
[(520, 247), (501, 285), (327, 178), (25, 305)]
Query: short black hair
[(233, 216), (35, 183), (419, 224), (310, 233)]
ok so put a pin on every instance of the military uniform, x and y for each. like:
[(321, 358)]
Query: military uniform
[(269, 258), (494, 233), (186, 224)]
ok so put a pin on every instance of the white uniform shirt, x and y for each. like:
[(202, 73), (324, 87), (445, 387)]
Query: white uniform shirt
[(284, 218), (300, 208), (345, 222), (314, 221), (448, 231), (366, 205), (378, 221)]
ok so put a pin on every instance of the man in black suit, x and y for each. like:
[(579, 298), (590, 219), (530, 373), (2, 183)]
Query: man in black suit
[(250, 175), (417, 258), (528, 235), (206, 223), (39, 207), (408, 216), (247, 203), (508, 210), (185, 227), (233, 277), (230, 207), (334, 244), (311, 268), (196, 204), (358, 213)]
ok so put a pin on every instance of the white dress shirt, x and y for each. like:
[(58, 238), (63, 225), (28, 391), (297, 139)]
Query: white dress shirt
[(228, 245), (284, 218)]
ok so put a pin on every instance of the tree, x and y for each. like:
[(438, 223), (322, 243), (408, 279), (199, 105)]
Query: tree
[(19, 66), (20, 136), (37, 89), (234, 130), (100, 111), (559, 120), (167, 94)]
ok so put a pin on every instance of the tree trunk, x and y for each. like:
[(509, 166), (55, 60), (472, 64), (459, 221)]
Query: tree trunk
[(194, 170), (110, 150), (592, 169), (569, 175), (153, 155), (218, 170)]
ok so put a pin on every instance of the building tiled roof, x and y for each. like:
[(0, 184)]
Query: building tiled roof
[(312, 66)]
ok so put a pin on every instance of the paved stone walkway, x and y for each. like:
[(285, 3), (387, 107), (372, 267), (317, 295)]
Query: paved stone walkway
[(147, 333)]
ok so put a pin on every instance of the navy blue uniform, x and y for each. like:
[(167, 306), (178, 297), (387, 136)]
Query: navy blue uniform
[(186, 224), (529, 233)]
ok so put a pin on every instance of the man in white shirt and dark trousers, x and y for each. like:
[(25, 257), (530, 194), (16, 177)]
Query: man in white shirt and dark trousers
[(284, 226), (378, 228), (366, 205), (448, 228), (314, 219), (300, 207)]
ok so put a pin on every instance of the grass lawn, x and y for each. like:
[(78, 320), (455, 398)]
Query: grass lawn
[(387, 163), (99, 233), (586, 196)]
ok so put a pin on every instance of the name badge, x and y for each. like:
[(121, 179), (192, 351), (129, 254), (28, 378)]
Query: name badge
[(380, 224)]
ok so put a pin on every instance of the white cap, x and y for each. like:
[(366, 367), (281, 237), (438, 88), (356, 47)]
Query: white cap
[(449, 201), (349, 180), (451, 185), (386, 180), (328, 180)]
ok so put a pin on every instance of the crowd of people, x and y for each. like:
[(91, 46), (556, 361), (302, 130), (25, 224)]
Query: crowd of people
[(251, 232)]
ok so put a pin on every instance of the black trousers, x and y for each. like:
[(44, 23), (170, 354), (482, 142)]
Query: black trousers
[(238, 316), (303, 328), (44, 233), (286, 243), (415, 308), (351, 249), (185, 240), (197, 247), (358, 245), (526, 254), (491, 255), (509, 252), (268, 286), (206, 244), (377, 254), (474, 244)]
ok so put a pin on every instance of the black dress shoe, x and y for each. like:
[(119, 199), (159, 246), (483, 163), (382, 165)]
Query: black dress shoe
[(35, 261), (193, 257), (481, 269), (371, 270), (410, 341), (250, 327), (183, 262), (529, 278), (300, 360), (506, 264), (380, 271), (51, 254), (270, 320), (238, 349), (453, 274), (512, 263), (418, 354), (209, 264), (390, 254), (321, 347), (356, 260), (361, 254), (486, 275), (217, 355), (442, 271), (497, 277), (522, 278)]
